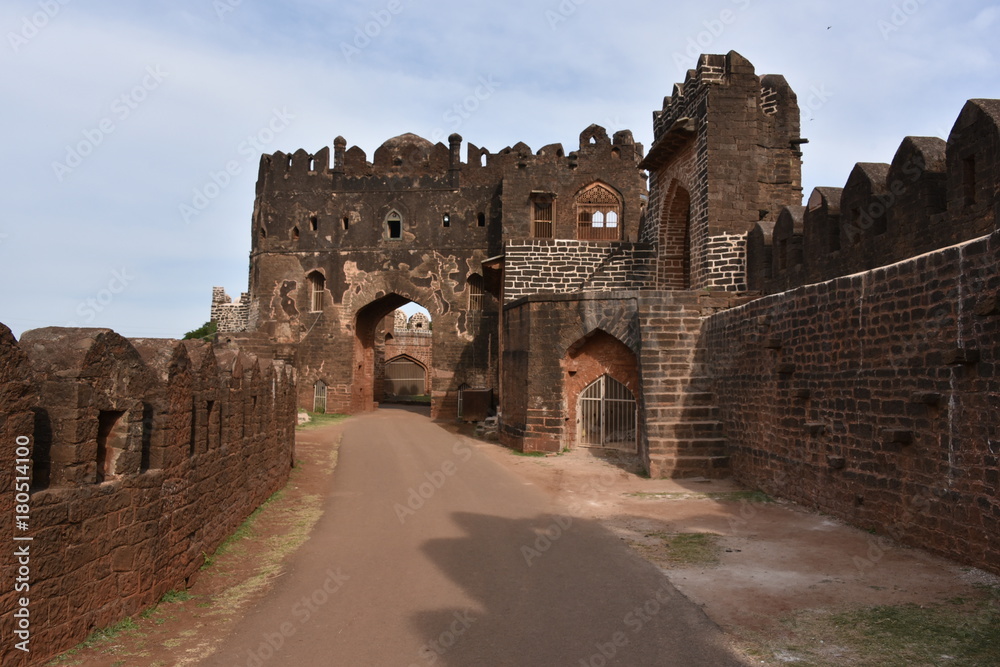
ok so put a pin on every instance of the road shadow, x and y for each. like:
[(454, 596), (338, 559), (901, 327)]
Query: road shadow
[(560, 591), (417, 409)]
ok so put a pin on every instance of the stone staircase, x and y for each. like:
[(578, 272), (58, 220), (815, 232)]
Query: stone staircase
[(683, 426)]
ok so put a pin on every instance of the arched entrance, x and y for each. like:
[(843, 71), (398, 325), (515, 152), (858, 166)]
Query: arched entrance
[(601, 385), (405, 379), (363, 391), (674, 271), (607, 415)]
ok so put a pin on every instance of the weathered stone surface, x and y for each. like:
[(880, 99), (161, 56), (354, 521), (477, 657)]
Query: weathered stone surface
[(146, 454)]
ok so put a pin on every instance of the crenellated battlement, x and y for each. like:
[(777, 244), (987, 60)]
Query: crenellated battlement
[(934, 194), (725, 156), (145, 455), (412, 162)]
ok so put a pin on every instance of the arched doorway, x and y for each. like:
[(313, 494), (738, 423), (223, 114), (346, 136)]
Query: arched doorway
[(601, 385), (405, 379), (374, 327), (607, 415), (674, 271)]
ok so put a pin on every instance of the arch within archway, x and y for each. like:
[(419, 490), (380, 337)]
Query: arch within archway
[(363, 369), (405, 377), (674, 267), (600, 367)]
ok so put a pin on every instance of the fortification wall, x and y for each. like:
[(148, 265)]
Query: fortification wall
[(874, 397), (934, 194), (145, 455)]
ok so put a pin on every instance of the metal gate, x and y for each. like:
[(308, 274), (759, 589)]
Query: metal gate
[(607, 415), (319, 397), (404, 377)]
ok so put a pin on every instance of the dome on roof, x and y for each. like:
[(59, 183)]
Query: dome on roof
[(408, 141), (408, 149)]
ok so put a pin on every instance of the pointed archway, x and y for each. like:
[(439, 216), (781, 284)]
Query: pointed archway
[(674, 266), (363, 371), (600, 391)]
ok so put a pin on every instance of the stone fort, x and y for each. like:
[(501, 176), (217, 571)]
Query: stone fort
[(680, 304)]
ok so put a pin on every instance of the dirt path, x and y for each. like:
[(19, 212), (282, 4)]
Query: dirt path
[(442, 577)]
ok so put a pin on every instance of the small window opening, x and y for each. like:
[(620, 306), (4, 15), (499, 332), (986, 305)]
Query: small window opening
[(263, 233), (347, 223), (111, 435), (147, 437), (313, 223), (541, 218), (394, 225), (295, 233), (969, 180), (317, 288), (481, 219), (476, 292), (446, 220)]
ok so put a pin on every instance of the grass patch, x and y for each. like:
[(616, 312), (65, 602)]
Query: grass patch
[(721, 496), (692, 548), (320, 419), (100, 637), (529, 454), (959, 632), (245, 531), (912, 635), (679, 549), (170, 597)]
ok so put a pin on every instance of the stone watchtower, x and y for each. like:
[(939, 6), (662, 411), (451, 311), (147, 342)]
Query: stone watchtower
[(725, 156)]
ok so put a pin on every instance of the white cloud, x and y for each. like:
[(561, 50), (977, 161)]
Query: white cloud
[(609, 63)]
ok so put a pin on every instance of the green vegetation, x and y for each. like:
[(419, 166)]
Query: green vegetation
[(532, 454), (245, 531), (721, 496), (204, 332), (319, 419), (960, 632), (170, 597), (683, 549)]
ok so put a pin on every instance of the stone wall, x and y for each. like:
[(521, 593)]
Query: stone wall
[(146, 455), (934, 194), (230, 316), (560, 266), (874, 397)]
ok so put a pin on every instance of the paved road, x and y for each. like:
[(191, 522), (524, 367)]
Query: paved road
[(430, 553)]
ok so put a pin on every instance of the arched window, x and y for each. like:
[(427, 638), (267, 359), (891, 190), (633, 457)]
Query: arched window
[(317, 287), (319, 397), (394, 225), (598, 212), (476, 292)]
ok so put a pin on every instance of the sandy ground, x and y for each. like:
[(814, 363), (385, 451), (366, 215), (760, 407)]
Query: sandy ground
[(775, 559)]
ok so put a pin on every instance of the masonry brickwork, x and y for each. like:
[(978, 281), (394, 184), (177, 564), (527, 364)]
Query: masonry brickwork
[(839, 351), (875, 398), (146, 454), (337, 246)]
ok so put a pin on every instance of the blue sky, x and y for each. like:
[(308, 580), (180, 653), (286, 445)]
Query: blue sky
[(133, 130)]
